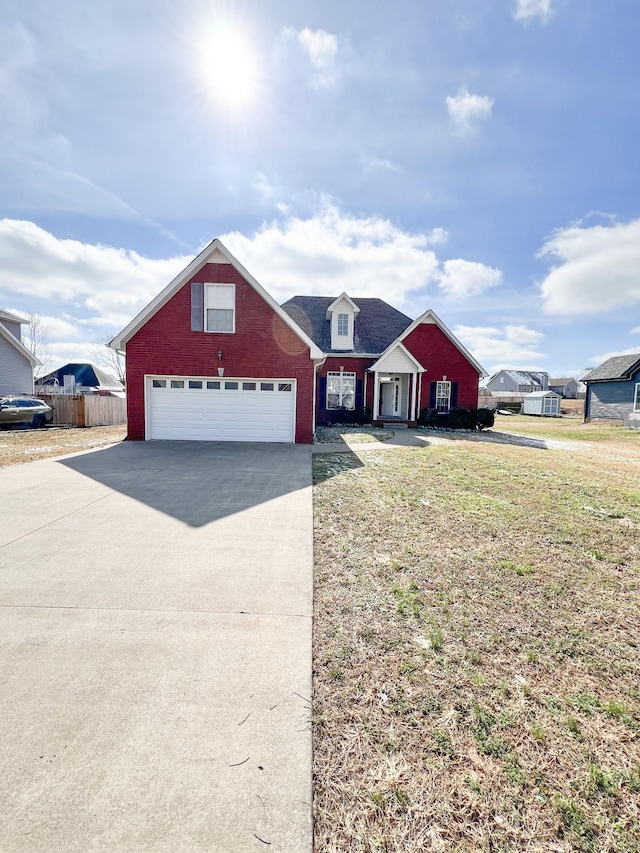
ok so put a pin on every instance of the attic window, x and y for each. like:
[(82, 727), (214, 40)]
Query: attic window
[(343, 325), (220, 307)]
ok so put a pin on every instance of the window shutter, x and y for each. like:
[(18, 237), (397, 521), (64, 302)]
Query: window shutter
[(454, 394), (432, 395), (197, 306), (322, 402), (359, 397)]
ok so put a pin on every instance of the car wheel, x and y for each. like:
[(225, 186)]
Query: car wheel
[(38, 421)]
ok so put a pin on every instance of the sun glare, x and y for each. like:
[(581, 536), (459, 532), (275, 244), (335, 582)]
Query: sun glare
[(229, 68)]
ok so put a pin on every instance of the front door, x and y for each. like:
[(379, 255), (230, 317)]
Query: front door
[(390, 398)]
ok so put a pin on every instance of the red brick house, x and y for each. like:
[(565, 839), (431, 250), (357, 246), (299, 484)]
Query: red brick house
[(214, 357)]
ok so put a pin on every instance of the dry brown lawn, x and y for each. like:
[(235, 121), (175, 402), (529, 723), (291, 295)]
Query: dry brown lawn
[(26, 445), (476, 649)]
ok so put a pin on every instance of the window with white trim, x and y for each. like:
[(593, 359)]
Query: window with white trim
[(220, 307), (343, 325), (443, 396), (636, 405), (341, 390)]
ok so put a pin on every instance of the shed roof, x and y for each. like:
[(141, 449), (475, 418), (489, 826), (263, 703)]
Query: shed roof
[(617, 367)]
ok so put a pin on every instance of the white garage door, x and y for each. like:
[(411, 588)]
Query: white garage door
[(199, 408)]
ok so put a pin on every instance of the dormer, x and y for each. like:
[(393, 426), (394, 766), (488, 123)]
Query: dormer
[(342, 314)]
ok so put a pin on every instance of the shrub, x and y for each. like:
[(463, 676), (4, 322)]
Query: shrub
[(460, 418), (363, 415), (485, 418)]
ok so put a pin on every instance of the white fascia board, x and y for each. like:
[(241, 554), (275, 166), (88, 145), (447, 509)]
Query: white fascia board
[(397, 344), (335, 302), (120, 340), (35, 362), (13, 318), (432, 315)]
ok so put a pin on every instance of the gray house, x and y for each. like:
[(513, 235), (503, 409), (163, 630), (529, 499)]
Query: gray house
[(518, 382), (16, 362), (566, 386), (613, 390)]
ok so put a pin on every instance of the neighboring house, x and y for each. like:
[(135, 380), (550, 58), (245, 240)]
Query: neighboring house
[(16, 362), (81, 378), (613, 390), (566, 386), (214, 357), (518, 382)]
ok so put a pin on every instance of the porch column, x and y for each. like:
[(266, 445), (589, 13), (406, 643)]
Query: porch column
[(414, 400), (376, 397)]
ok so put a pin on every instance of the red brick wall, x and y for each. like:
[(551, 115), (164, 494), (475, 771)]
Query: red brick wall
[(351, 365), (440, 357), (263, 346)]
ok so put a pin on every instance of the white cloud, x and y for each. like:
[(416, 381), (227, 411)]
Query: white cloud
[(85, 291), (322, 49), (461, 279), (467, 110), (332, 251), (113, 283), (512, 346), (598, 359), (529, 10), (636, 331), (597, 270)]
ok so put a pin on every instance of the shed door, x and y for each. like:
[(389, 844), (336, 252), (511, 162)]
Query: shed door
[(195, 408)]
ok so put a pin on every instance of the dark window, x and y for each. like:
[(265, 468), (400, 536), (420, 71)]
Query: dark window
[(230, 386), (195, 383), (248, 386), (266, 386), (159, 383), (213, 386), (177, 383)]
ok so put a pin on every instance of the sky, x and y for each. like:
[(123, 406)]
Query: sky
[(475, 157)]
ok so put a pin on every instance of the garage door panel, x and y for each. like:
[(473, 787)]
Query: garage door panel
[(221, 414)]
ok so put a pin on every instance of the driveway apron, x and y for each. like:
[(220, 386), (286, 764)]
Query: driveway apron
[(155, 649)]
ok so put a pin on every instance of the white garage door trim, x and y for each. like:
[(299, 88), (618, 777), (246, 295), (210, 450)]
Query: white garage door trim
[(216, 408)]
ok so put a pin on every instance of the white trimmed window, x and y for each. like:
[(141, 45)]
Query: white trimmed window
[(341, 390), (636, 404), (443, 396), (343, 325), (220, 307)]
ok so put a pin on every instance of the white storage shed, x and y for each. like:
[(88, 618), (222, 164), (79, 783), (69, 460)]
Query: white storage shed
[(542, 403)]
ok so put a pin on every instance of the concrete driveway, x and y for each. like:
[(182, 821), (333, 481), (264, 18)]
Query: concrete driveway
[(155, 650)]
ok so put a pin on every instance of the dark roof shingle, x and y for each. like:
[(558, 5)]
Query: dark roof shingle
[(375, 327), (618, 367)]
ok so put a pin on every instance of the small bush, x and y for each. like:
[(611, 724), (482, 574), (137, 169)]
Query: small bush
[(485, 418), (460, 418)]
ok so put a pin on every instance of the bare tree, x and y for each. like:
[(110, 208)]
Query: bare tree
[(37, 342), (110, 359)]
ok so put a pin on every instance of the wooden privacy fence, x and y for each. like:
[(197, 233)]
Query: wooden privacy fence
[(85, 410)]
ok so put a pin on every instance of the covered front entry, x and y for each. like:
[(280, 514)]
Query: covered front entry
[(393, 397), (396, 389), (197, 408)]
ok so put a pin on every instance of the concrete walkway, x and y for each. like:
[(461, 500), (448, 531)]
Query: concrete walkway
[(155, 650), (400, 438)]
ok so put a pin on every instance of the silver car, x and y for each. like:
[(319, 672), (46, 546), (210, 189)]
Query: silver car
[(26, 411)]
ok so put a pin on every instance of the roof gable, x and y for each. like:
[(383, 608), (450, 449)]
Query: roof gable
[(336, 302), (215, 252), (617, 367), (19, 346), (399, 354), (431, 317)]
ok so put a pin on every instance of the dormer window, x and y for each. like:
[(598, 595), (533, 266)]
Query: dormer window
[(341, 314)]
